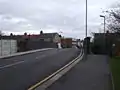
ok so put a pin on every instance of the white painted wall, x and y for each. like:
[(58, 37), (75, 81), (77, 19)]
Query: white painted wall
[(8, 47)]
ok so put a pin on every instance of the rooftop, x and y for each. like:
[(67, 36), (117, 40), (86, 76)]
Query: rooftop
[(43, 35)]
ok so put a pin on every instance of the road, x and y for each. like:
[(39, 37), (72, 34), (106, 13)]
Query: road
[(19, 73)]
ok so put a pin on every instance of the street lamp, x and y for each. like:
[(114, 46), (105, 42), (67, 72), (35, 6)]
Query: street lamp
[(104, 32), (104, 21)]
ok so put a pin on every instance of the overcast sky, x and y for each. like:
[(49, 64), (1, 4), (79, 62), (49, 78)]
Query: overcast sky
[(63, 16)]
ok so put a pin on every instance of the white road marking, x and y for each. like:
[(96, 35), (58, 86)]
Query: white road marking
[(9, 65)]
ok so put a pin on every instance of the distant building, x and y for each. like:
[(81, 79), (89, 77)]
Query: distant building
[(66, 42), (76, 42), (37, 41), (44, 40), (47, 37)]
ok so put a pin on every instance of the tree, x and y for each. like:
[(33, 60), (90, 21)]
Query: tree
[(113, 19), (11, 34), (41, 32), (60, 36), (25, 34)]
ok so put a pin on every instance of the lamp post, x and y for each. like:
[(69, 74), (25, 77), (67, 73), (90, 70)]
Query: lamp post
[(104, 22), (104, 33), (1, 43)]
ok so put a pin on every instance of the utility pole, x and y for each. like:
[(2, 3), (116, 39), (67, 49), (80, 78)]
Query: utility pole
[(1, 42), (104, 33), (85, 40), (86, 17)]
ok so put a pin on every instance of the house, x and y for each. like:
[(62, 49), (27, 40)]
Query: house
[(30, 42), (47, 37), (42, 40)]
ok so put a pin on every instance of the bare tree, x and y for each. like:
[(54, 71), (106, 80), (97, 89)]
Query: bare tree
[(113, 19)]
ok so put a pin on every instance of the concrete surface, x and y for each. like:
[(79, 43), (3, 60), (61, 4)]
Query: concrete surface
[(23, 53), (90, 74)]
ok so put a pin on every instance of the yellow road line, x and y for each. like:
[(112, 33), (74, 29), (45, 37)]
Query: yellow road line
[(47, 78)]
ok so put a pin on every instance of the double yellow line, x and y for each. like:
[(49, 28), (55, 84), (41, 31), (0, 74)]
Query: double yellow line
[(52, 75)]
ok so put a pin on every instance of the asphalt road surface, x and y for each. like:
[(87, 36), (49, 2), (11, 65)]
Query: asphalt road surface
[(20, 72)]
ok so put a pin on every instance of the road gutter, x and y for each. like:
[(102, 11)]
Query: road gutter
[(45, 83)]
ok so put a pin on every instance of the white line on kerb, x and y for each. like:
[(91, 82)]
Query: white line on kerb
[(9, 65)]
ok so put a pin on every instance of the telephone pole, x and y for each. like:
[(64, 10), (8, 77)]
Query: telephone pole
[(86, 18)]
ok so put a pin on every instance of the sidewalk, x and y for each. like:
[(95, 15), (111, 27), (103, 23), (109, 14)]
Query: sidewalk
[(23, 53), (90, 74)]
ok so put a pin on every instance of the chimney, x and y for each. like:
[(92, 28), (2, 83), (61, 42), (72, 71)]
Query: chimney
[(41, 32), (25, 34)]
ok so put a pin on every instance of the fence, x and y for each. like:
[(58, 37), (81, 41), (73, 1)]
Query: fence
[(31, 45)]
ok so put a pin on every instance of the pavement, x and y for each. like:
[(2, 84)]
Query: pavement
[(21, 72), (89, 74), (23, 53)]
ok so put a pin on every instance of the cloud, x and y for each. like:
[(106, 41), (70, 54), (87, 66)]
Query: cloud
[(67, 16)]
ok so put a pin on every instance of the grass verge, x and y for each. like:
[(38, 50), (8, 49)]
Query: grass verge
[(115, 68)]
